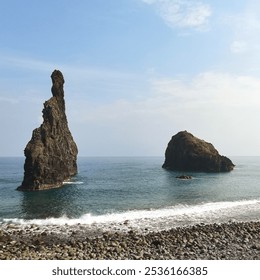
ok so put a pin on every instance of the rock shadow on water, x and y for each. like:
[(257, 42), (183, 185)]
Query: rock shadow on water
[(52, 203)]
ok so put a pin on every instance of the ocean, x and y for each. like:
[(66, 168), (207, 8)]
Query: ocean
[(109, 191)]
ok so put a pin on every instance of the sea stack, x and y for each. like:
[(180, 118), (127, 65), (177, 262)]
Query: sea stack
[(51, 154), (186, 152)]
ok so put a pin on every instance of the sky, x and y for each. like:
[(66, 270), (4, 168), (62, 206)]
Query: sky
[(136, 73)]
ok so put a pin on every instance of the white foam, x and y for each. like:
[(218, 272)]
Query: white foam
[(156, 219), (73, 182)]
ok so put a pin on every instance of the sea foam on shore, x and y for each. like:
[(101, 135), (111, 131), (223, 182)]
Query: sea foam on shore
[(158, 219)]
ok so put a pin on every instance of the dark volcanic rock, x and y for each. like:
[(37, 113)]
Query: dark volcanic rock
[(51, 153), (186, 152), (184, 177)]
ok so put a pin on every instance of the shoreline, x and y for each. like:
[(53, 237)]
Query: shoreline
[(227, 241)]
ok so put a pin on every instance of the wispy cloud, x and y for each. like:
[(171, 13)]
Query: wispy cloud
[(182, 13), (246, 30), (239, 47), (95, 82), (28, 63), (9, 60), (211, 89), (214, 105)]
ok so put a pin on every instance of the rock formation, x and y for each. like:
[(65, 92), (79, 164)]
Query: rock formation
[(184, 177), (186, 152), (51, 154)]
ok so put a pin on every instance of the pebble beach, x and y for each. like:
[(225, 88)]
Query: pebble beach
[(228, 241)]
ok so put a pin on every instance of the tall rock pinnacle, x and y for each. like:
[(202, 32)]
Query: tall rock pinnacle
[(51, 154)]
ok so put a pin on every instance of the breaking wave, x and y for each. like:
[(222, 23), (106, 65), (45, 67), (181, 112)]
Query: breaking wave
[(160, 219), (73, 182)]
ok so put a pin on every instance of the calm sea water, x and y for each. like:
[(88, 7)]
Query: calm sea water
[(136, 189)]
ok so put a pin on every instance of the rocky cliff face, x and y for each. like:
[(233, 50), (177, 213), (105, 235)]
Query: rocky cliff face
[(51, 154), (186, 152)]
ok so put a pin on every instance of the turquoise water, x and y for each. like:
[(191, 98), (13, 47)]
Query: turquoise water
[(136, 189)]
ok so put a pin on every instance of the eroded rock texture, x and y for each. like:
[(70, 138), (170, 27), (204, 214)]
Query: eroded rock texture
[(186, 152), (51, 154)]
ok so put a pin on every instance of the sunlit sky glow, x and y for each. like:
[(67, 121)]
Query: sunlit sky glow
[(136, 72)]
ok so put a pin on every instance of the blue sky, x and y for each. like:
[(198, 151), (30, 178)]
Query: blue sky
[(136, 72)]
